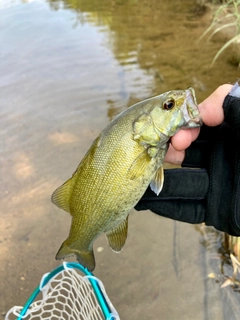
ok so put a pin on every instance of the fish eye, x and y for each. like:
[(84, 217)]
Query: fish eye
[(169, 104)]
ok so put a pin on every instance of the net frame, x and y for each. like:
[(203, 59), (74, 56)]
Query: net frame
[(97, 287)]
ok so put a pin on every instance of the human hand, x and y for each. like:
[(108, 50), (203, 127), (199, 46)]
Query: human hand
[(212, 115), (208, 189)]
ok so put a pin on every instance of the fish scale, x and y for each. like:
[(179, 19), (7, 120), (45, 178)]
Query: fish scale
[(127, 156)]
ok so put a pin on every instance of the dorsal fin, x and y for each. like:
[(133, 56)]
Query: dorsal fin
[(61, 196)]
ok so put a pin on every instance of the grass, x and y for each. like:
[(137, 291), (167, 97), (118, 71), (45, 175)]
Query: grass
[(232, 244), (225, 16), (223, 257)]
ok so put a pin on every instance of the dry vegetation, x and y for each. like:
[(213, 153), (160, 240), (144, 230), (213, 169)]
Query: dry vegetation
[(225, 22)]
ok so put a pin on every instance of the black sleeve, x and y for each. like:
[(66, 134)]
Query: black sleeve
[(231, 108)]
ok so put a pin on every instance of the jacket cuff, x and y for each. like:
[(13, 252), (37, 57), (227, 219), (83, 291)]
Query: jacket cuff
[(231, 108)]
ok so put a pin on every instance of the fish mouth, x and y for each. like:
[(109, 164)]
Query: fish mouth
[(191, 92), (192, 115)]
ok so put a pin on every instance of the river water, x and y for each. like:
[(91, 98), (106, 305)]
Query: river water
[(66, 69)]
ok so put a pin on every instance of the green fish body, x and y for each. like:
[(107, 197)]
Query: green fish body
[(114, 174)]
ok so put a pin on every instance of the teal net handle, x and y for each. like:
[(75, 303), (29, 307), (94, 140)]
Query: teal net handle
[(71, 265)]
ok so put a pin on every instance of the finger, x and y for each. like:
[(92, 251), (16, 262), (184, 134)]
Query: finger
[(212, 114), (211, 108), (179, 142), (183, 138), (173, 156)]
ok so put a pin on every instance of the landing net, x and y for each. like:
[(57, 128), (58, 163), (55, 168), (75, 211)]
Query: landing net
[(65, 293)]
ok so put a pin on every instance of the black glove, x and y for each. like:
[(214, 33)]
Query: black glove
[(210, 191)]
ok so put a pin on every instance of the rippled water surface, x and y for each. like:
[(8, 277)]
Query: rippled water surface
[(66, 69)]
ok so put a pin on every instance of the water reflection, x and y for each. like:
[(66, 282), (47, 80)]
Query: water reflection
[(158, 37), (67, 67)]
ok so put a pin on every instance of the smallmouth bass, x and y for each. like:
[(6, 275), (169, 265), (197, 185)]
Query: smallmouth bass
[(125, 158)]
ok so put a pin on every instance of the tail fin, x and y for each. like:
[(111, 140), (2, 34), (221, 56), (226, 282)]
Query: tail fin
[(85, 258)]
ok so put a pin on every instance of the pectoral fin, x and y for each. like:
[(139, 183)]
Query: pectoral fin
[(157, 182), (117, 236), (139, 166)]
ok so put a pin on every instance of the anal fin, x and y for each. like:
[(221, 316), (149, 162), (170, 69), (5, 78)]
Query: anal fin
[(117, 236)]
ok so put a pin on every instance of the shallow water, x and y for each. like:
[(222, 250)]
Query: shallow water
[(66, 69)]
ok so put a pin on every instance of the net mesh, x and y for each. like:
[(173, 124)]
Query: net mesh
[(68, 295)]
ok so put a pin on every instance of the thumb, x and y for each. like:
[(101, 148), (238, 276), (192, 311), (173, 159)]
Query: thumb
[(211, 111), (211, 108)]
